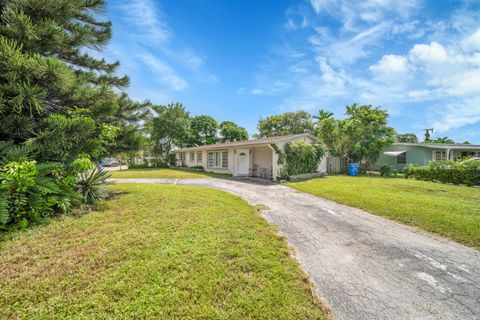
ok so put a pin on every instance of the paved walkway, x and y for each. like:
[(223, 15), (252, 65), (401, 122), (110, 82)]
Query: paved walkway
[(364, 266)]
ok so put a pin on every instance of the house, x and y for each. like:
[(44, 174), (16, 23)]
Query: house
[(400, 154), (254, 158)]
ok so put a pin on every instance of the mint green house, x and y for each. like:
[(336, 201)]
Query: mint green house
[(400, 154)]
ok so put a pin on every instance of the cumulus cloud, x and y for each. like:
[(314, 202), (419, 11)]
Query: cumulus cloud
[(429, 53), (391, 63)]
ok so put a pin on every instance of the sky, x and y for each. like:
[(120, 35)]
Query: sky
[(242, 60)]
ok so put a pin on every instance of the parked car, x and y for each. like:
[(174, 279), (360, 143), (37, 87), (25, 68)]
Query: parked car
[(110, 162)]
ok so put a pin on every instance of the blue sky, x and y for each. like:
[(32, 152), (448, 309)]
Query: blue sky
[(242, 60)]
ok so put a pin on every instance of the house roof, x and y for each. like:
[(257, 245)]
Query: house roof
[(441, 145), (253, 142)]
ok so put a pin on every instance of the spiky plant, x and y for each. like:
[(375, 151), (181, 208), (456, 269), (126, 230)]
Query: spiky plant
[(90, 185)]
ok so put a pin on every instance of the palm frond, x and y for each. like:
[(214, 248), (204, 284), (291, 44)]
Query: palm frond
[(4, 215)]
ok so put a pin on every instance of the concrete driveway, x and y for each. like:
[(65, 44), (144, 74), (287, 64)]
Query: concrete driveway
[(364, 266)]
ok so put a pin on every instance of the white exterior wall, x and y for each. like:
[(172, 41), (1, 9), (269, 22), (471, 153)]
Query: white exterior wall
[(263, 156)]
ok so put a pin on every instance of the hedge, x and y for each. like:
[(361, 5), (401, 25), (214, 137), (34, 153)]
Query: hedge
[(456, 172)]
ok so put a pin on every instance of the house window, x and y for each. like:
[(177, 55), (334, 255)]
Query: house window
[(468, 154), (192, 156), (439, 155), (217, 159), (225, 159), (181, 157), (199, 157), (402, 158)]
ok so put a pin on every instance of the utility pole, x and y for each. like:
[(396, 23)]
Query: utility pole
[(428, 132)]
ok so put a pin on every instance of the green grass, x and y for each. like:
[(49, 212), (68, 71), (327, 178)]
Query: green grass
[(451, 211), (162, 173), (155, 252)]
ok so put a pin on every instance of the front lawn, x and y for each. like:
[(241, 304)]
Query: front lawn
[(451, 211), (155, 252), (162, 173)]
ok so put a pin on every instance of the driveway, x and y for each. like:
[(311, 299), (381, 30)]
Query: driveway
[(364, 266)]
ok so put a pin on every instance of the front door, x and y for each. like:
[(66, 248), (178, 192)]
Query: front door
[(243, 162)]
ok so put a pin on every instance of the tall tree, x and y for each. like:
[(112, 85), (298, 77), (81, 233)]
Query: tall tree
[(361, 136), (407, 137), (230, 131), (170, 127), (285, 124), (49, 81), (203, 130)]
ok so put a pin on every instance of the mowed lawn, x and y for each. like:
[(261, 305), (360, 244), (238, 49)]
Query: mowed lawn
[(162, 173), (155, 252), (451, 211)]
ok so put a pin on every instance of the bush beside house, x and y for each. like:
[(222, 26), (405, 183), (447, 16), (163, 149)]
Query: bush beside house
[(456, 172), (299, 158)]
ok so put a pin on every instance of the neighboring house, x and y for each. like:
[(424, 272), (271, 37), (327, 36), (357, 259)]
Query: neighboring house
[(400, 154), (256, 158)]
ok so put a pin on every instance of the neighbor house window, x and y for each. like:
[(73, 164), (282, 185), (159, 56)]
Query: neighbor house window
[(192, 156), (439, 155), (199, 157), (402, 158), (217, 159)]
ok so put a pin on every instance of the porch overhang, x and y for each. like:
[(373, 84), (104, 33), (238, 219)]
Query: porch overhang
[(393, 153)]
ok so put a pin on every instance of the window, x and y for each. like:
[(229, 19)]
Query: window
[(468, 154), (181, 157), (439, 155), (217, 159), (199, 157), (402, 158), (225, 159), (192, 156)]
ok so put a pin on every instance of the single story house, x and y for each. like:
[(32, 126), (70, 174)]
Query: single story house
[(400, 154), (254, 158)]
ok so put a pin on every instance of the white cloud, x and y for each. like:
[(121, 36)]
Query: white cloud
[(144, 14), (457, 114), (391, 63), (428, 53), (257, 92), (472, 43), (167, 75)]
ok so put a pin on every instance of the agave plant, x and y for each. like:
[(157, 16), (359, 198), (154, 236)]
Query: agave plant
[(90, 185)]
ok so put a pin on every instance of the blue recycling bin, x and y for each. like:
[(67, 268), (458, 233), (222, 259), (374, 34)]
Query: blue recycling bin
[(352, 169)]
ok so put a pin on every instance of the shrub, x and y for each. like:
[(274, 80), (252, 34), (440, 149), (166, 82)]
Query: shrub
[(456, 172), (148, 163), (302, 157), (30, 192), (387, 170), (90, 185)]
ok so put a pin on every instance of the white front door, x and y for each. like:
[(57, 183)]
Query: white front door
[(243, 162)]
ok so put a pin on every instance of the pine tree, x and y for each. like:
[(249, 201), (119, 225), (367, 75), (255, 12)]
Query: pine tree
[(48, 79)]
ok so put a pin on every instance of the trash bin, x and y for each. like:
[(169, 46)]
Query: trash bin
[(352, 169)]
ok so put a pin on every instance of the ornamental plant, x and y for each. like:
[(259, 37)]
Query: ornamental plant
[(301, 157)]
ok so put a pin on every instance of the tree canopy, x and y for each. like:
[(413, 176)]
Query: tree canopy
[(230, 131), (443, 140), (285, 124), (407, 137), (170, 127), (203, 130), (49, 81), (361, 136)]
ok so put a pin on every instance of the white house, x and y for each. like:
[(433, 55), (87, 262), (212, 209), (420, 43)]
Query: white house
[(255, 158)]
